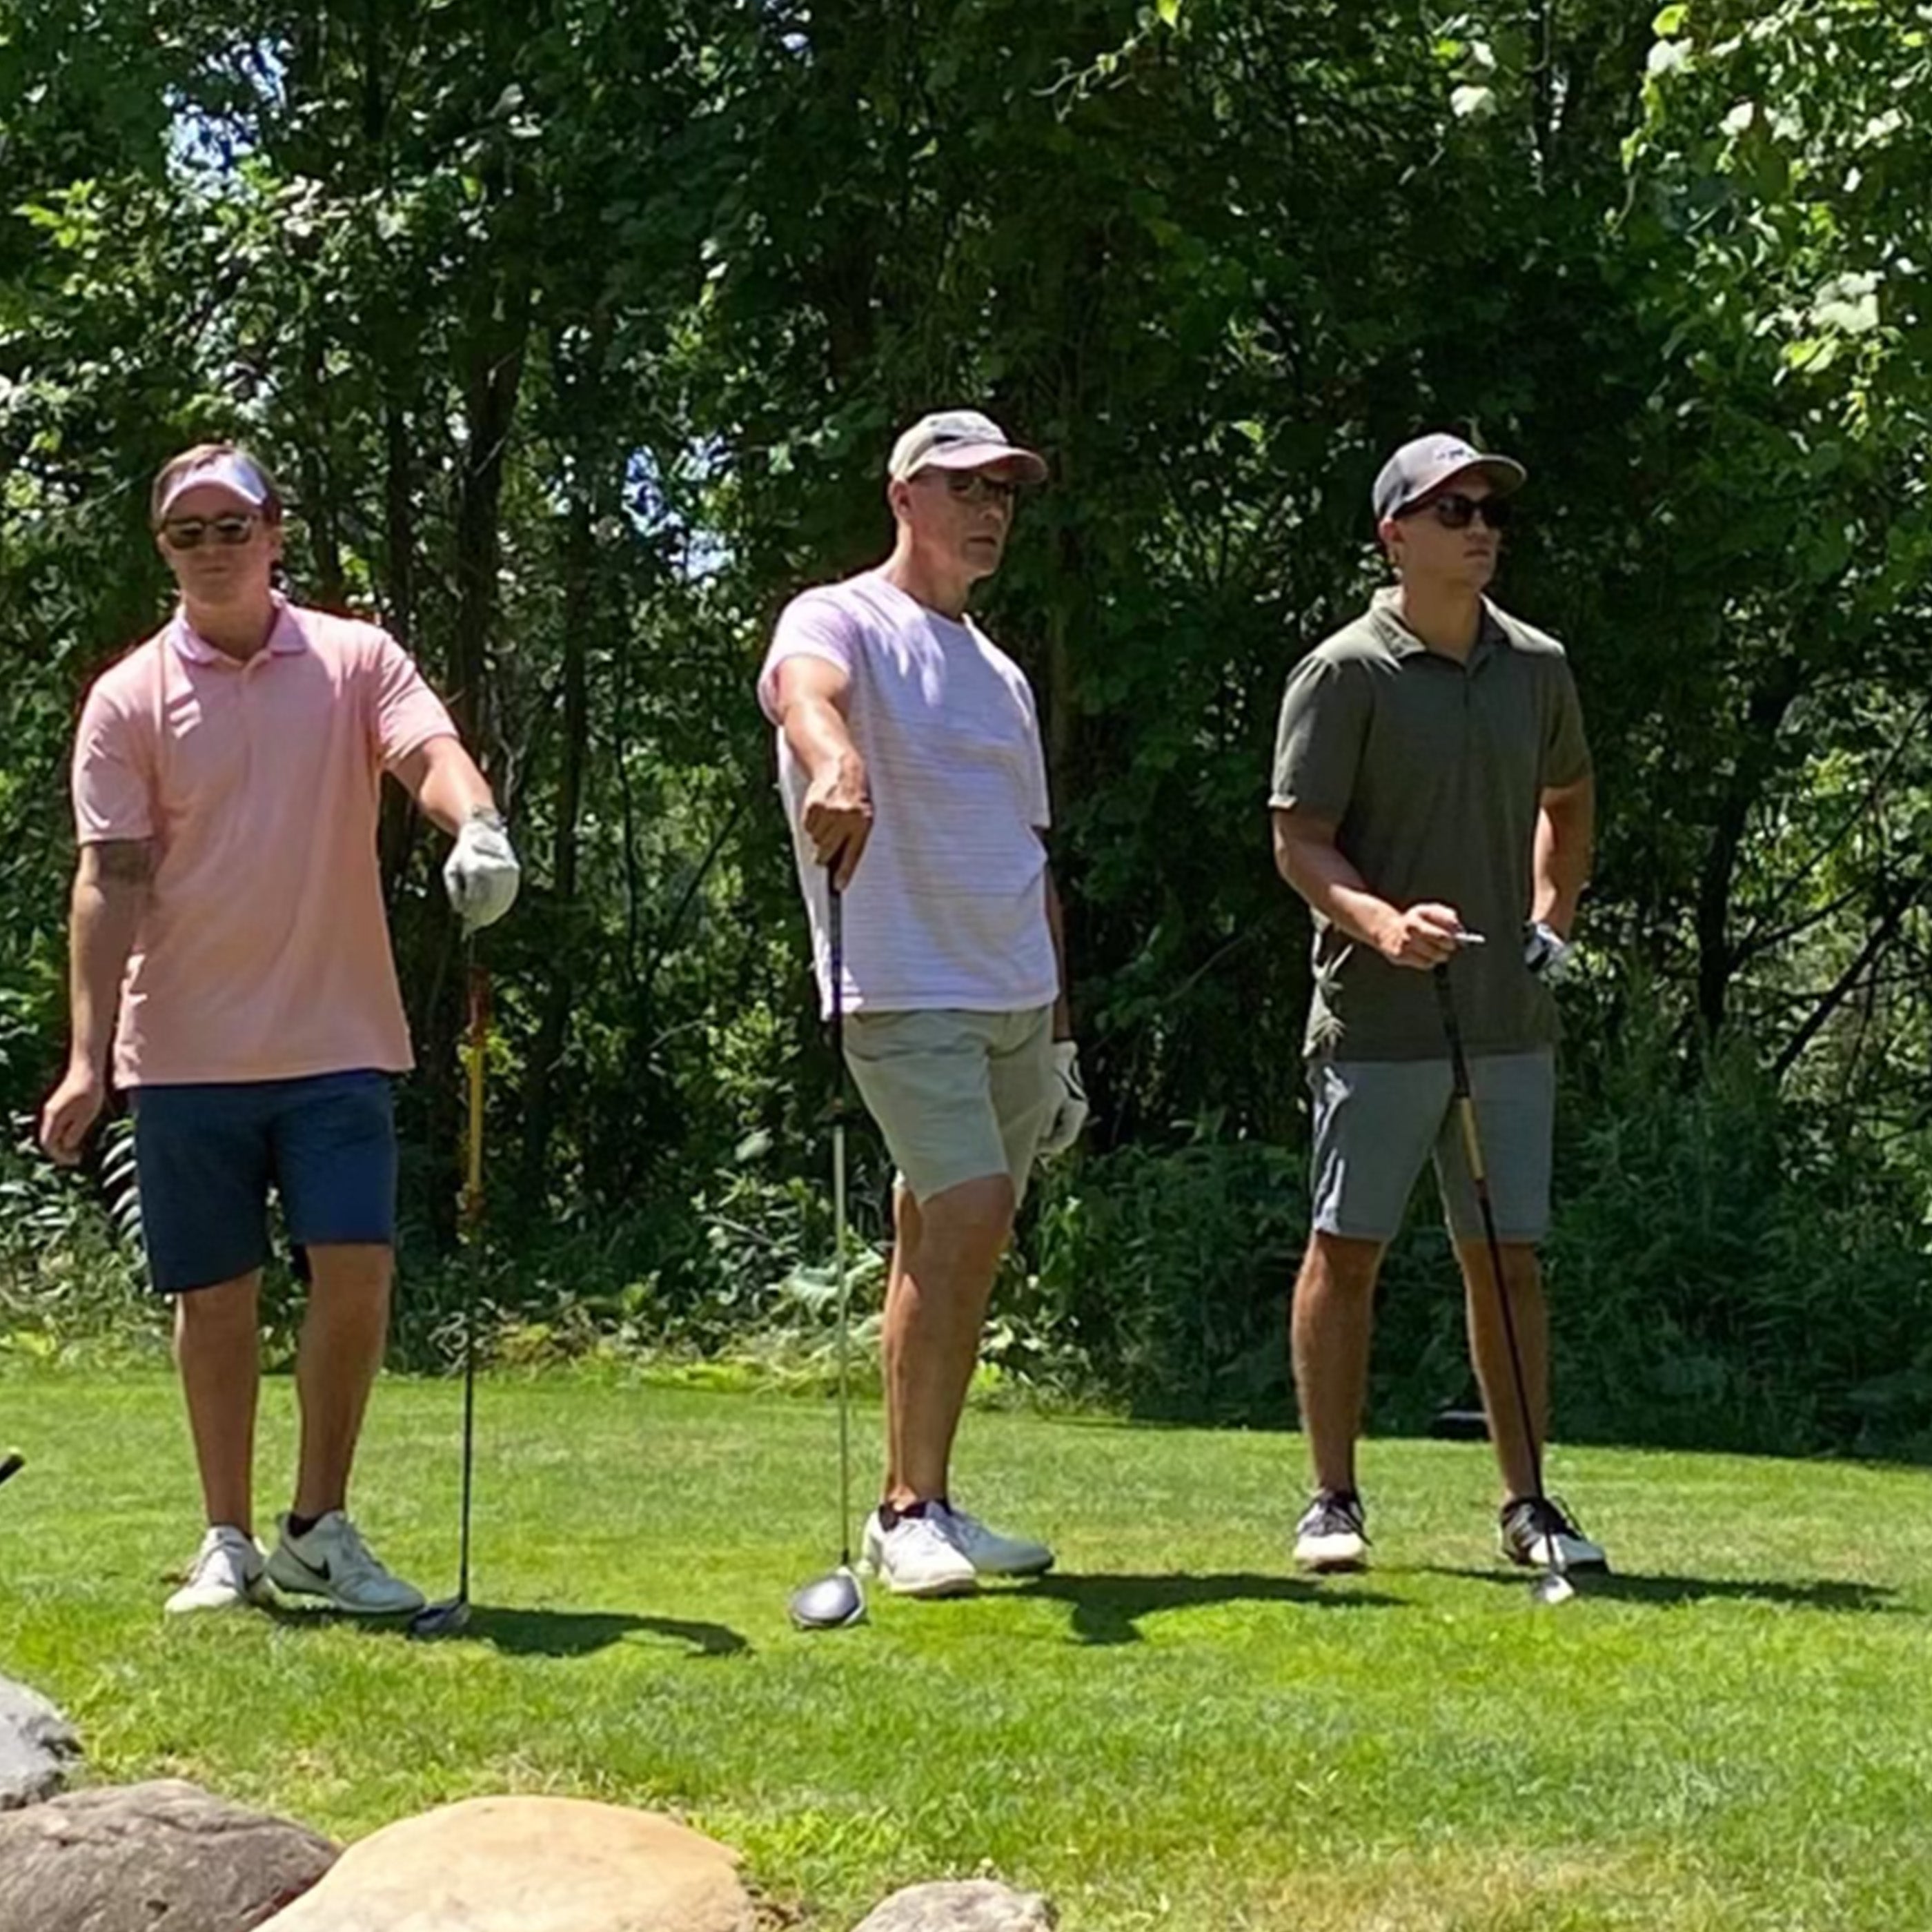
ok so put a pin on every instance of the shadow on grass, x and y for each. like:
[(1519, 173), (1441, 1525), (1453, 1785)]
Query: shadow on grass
[(1623, 1587), (1108, 1608), (580, 1632), (539, 1632)]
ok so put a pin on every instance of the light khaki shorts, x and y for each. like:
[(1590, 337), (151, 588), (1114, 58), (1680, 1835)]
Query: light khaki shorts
[(957, 1095)]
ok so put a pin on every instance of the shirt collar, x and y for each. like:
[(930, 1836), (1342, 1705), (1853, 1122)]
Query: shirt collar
[(1385, 612), (285, 636)]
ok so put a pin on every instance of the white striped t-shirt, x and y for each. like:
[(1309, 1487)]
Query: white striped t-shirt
[(948, 906)]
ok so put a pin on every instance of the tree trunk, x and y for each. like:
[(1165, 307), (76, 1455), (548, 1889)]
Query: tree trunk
[(1716, 956), (580, 606)]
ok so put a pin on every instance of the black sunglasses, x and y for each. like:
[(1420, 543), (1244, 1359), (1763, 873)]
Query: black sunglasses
[(1455, 511), (188, 532), (975, 486)]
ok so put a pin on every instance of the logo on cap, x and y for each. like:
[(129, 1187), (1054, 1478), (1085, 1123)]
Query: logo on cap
[(1428, 462)]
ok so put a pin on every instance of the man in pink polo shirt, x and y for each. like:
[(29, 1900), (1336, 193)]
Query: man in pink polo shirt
[(227, 775), (907, 738)]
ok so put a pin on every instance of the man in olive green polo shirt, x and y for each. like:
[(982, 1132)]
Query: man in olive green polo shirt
[(1432, 802)]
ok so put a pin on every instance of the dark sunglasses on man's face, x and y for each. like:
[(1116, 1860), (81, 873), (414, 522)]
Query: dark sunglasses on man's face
[(1455, 511), (190, 532), (975, 486)]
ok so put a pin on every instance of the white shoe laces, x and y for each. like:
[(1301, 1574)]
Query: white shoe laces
[(221, 1542), (925, 1538)]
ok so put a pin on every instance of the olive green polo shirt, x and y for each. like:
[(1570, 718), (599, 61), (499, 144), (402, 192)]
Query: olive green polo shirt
[(1432, 772)]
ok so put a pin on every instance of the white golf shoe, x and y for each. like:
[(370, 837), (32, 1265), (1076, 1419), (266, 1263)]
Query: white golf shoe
[(225, 1574), (991, 1553), (332, 1561), (916, 1555), (1332, 1536)]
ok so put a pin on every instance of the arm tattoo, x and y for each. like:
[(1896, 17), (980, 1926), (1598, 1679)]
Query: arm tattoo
[(124, 862)]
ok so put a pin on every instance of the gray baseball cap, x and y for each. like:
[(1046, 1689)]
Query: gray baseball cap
[(962, 439), (1426, 463)]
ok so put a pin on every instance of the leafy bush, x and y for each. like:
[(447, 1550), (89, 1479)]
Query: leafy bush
[(1729, 1272), (70, 1264)]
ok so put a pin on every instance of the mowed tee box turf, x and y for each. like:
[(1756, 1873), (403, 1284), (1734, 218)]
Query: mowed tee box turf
[(1728, 1734)]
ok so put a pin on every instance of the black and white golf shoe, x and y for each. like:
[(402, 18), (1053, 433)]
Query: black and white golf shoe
[(1535, 1532)]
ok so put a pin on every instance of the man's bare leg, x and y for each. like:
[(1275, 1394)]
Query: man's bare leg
[(944, 1260), (1488, 1349), (342, 1338), (218, 1351), (1331, 1322)]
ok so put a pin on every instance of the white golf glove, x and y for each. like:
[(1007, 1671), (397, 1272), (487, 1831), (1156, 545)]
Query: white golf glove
[(481, 874), (1069, 1111), (1545, 952)]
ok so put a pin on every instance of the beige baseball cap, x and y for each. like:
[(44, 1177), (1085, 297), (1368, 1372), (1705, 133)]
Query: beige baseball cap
[(962, 439)]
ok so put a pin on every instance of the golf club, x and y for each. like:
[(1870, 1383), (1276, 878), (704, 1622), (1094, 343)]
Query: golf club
[(1553, 1586), (11, 1464), (834, 1600), (450, 1615)]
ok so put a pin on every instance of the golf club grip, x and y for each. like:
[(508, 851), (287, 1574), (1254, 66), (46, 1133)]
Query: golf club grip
[(1452, 1031), (835, 936)]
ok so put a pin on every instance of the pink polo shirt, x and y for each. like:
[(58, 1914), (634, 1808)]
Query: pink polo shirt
[(264, 951)]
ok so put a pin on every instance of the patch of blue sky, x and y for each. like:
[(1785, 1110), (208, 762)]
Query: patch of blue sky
[(697, 552), (215, 129)]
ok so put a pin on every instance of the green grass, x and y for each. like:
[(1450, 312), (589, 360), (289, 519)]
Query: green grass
[(1170, 1732)]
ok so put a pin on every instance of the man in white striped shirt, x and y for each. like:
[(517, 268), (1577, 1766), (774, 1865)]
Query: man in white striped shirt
[(911, 765)]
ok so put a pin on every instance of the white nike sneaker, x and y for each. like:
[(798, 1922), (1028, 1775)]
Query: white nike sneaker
[(917, 1557), (333, 1562), (225, 1573), (992, 1553)]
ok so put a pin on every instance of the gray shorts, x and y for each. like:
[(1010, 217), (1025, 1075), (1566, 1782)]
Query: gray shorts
[(1377, 1121), (957, 1095)]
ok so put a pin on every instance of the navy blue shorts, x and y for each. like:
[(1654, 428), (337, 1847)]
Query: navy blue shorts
[(207, 1154)]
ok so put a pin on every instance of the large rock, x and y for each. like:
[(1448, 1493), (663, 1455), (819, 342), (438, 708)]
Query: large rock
[(529, 1864), (150, 1858), (972, 1905), (37, 1746)]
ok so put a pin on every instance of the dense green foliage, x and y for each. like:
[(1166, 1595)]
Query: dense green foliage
[(1167, 1734), (577, 330)]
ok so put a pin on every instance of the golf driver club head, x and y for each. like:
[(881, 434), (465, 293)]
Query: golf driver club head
[(11, 1464), (834, 1601), (450, 1617)]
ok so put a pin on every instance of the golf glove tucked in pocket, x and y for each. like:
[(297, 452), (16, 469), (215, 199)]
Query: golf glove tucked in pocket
[(1069, 1113)]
